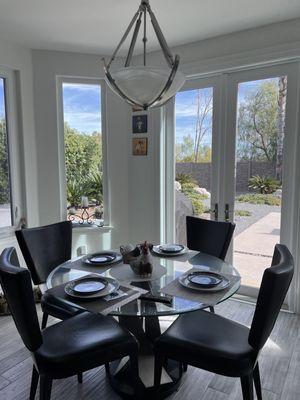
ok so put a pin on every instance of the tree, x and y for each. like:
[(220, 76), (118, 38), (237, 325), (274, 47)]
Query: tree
[(282, 86), (184, 152), (258, 124), (83, 155), (4, 169), (204, 106)]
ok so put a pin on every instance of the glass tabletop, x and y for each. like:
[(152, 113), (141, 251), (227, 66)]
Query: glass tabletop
[(174, 267)]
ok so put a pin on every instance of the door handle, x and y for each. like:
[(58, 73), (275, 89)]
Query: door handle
[(214, 211), (227, 218)]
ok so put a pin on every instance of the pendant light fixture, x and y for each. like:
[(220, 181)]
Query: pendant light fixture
[(145, 86)]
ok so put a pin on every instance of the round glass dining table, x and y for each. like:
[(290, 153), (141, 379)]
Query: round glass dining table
[(141, 317)]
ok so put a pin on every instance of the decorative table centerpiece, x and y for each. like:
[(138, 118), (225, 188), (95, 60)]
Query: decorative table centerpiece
[(139, 258)]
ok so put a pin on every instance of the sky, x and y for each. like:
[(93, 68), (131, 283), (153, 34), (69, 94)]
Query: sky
[(185, 109), (1, 98), (82, 107)]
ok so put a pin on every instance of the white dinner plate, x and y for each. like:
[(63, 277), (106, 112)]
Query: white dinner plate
[(158, 250), (185, 281)]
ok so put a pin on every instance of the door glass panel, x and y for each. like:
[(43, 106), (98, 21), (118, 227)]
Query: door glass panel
[(258, 175), (5, 186), (193, 150)]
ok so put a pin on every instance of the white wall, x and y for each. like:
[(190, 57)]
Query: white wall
[(19, 60)]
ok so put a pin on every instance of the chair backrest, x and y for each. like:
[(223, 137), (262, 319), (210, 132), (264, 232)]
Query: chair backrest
[(45, 247), (274, 286), (210, 237), (17, 288)]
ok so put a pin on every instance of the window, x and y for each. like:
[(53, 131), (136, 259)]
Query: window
[(5, 185), (83, 151)]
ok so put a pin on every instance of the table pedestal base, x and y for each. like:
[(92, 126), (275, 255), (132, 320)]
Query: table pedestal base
[(119, 374)]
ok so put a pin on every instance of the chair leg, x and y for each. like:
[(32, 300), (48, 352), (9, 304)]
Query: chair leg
[(45, 387), (185, 367), (158, 365), (212, 309), (44, 320), (79, 377), (247, 387), (34, 383), (134, 366), (107, 370), (257, 383)]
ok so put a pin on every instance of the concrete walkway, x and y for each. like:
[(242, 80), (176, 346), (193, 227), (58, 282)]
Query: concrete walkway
[(253, 248)]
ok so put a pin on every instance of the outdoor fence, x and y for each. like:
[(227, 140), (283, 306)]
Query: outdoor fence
[(201, 172)]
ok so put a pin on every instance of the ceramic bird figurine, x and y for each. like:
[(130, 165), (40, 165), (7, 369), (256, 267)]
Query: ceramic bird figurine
[(139, 258)]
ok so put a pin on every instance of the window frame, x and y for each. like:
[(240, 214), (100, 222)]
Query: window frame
[(15, 155), (60, 80)]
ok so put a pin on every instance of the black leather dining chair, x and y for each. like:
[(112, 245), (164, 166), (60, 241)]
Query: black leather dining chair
[(210, 237), (216, 344), (43, 249), (67, 348)]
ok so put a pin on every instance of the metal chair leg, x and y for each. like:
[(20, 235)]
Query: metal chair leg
[(44, 320), (247, 387), (134, 366), (79, 377), (257, 383), (34, 383), (107, 370), (158, 365), (45, 387)]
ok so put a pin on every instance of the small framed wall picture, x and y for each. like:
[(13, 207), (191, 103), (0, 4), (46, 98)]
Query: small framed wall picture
[(140, 146), (140, 123)]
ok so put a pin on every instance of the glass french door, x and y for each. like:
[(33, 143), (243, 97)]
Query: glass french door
[(257, 181), (234, 159), (197, 108)]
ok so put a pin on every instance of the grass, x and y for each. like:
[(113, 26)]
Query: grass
[(243, 213), (255, 198)]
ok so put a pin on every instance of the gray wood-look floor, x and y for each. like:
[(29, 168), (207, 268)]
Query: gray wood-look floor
[(279, 364)]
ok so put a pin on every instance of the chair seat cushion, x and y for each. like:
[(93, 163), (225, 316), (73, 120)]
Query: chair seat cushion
[(58, 308), (208, 341), (82, 343)]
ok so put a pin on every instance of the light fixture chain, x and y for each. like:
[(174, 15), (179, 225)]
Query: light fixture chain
[(160, 37), (124, 37), (133, 41), (145, 34)]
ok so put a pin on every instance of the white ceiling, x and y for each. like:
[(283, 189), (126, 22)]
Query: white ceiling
[(96, 26)]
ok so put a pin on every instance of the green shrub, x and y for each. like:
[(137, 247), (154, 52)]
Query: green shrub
[(253, 198), (184, 179), (264, 185), (188, 188)]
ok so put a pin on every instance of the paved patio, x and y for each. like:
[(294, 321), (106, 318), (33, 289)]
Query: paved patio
[(253, 248)]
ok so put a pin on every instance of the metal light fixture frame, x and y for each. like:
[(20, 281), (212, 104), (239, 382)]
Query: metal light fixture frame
[(172, 61)]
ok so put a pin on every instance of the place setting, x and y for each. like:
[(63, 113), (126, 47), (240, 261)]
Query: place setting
[(102, 258), (174, 250), (204, 286), (96, 293)]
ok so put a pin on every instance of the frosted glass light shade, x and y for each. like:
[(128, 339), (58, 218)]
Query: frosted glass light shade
[(142, 84)]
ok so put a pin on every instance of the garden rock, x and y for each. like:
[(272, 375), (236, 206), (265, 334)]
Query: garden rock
[(183, 207)]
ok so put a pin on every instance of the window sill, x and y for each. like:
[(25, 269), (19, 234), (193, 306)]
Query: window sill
[(92, 228)]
